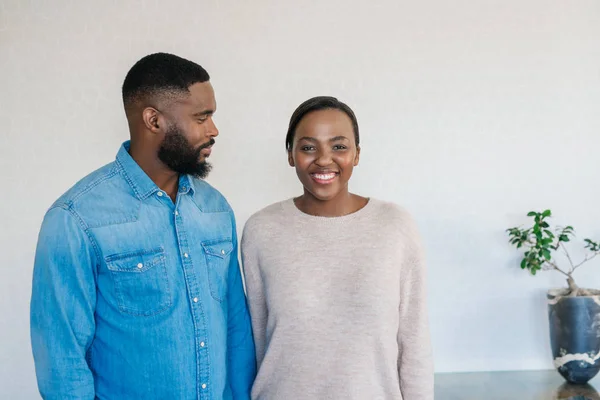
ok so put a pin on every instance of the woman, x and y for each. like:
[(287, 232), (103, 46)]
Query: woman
[(335, 281)]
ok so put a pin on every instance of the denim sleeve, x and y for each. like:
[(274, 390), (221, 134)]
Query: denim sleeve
[(62, 307), (240, 346)]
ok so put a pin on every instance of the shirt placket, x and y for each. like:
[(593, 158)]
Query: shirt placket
[(193, 292)]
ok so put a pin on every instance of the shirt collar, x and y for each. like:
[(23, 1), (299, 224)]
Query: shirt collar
[(141, 183), (186, 184)]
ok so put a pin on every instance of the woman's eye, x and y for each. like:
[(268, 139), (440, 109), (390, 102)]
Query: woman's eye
[(307, 148), (339, 147)]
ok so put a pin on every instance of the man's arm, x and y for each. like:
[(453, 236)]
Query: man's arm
[(63, 301), (241, 368)]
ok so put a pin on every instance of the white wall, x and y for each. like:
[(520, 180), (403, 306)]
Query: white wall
[(472, 113)]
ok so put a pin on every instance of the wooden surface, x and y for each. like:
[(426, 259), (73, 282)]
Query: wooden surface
[(521, 385)]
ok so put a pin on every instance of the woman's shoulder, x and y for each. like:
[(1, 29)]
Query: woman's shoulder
[(273, 214), (388, 210), (393, 217)]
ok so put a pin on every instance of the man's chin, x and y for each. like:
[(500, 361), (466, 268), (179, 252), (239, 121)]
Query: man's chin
[(203, 170)]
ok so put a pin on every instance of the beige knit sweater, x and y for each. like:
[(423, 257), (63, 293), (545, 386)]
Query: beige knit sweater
[(338, 305)]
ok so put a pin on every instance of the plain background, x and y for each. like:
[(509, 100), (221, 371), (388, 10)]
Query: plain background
[(472, 113)]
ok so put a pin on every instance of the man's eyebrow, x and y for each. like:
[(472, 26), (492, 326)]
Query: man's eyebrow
[(203, 113)]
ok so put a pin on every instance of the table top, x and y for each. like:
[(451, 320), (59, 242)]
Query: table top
[(512, 385)]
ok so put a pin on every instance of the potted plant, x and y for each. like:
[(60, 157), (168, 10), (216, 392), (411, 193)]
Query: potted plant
[(574, 312)]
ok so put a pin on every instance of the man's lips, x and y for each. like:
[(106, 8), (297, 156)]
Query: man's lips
[(206, 151), (206, 148)]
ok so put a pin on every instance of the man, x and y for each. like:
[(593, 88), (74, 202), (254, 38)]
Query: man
[(137, 292)]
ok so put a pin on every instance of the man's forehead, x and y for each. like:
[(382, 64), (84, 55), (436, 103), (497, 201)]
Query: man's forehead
[(201, 92), (200, 97)]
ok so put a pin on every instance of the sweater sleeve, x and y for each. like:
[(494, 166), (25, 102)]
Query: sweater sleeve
[(415, 362), (254, 291)]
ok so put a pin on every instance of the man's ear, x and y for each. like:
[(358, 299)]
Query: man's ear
[(153, 120)]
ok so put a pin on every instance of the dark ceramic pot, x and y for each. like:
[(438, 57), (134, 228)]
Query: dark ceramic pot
[(576, 392), (575, 335)]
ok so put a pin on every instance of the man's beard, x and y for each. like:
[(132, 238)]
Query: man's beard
[(177, 154)]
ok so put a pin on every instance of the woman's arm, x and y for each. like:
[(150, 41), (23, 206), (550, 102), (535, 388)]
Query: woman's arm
[(415, 362)]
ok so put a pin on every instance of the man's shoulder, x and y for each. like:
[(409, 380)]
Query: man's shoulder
[(87, 186), (101, 198)]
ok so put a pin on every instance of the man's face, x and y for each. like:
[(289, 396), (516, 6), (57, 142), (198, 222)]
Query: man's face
[(190, 133)]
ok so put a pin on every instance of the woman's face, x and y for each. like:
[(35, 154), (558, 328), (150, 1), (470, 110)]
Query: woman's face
[(324, 153)]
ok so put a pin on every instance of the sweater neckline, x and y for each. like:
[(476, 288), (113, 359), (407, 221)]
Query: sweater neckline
[(290, 206)]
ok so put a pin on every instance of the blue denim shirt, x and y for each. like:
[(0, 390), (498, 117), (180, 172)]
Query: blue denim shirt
[(137, 297)]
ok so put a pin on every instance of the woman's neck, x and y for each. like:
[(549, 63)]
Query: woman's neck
[(343, 204)]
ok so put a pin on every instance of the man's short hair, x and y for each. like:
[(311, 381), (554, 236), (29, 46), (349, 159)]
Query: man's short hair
[(158, 75)]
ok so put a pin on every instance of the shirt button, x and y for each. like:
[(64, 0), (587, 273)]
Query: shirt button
[(160, 194), (195, 299), (204, 386), (185, 255), (183, 189), (222, 251), (201, 344), (140, 265), (176, 212)]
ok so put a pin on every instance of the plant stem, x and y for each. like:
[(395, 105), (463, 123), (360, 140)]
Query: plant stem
[(572, 287), (585, 260), (554, 266), (568, 256)]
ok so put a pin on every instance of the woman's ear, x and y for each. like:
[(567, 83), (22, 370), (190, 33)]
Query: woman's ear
[(357, 157), (291, 159)]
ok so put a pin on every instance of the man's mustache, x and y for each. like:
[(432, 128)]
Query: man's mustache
[(207, 144)]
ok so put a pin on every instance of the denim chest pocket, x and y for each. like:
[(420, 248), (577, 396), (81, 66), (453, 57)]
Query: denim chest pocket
[(140, 281), (218, 256)]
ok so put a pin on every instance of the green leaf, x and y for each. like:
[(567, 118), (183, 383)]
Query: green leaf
[(544, 225), (538, 235), (524, 263), (547, 213), (546, 254), (532, 214)]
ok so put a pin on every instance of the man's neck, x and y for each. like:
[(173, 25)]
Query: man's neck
[(166, 179)]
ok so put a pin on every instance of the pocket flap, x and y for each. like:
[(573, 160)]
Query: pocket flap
[(135, 261), (218, 248)]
